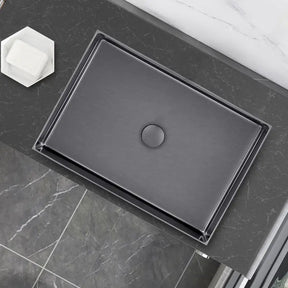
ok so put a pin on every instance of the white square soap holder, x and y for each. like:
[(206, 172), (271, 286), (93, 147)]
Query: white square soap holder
[(27, 56)]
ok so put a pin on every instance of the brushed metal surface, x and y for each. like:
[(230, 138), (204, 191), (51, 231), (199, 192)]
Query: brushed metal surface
[(206, 142)]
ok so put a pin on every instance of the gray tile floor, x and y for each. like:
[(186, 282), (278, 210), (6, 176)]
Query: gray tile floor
[(55, 233)]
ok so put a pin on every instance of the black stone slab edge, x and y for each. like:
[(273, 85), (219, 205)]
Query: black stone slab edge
[(273, 259), (41, 147)]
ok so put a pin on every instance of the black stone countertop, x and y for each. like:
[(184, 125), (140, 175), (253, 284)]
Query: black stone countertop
[(240, 239)]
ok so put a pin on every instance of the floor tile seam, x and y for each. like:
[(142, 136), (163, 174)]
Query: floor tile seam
[(57, 242), (36, 264), (184, 270)]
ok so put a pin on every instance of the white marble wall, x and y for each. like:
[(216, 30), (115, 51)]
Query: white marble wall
[(252, 32)]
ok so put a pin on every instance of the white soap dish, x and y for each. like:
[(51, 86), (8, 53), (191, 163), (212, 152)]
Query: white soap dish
[(27, 56)]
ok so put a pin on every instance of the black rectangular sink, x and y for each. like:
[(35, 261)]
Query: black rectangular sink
[(151, 137)]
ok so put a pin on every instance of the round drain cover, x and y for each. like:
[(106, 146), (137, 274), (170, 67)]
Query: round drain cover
[(153, 135)]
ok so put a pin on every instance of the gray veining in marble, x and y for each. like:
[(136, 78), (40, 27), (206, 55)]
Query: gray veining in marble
[(106, 246), (35, 204), (72, 23)]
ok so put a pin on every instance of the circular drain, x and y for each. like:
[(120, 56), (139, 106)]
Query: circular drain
[(153, 136)]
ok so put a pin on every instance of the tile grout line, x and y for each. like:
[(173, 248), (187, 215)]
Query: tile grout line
[(19, 255), (184, 270), (36, 264), (57, 242)]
